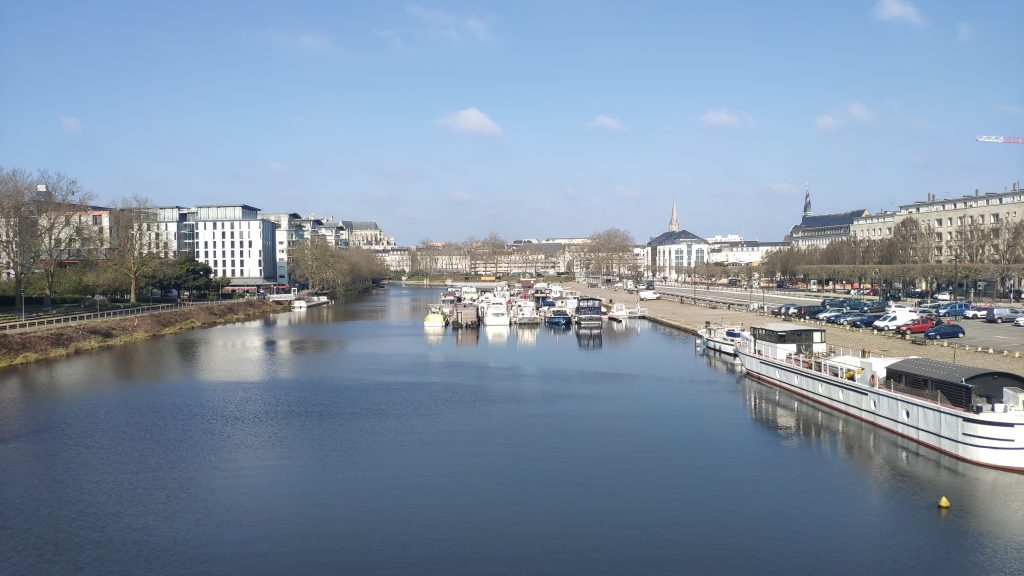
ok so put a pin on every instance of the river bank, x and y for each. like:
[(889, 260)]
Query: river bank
[(26, 347)]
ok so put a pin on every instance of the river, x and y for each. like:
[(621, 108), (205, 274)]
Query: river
[(351, 440)]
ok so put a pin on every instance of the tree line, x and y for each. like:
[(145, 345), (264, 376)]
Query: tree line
[(54, 243), (915, 252)]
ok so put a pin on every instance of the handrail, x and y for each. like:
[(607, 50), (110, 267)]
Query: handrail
[(83, 317)]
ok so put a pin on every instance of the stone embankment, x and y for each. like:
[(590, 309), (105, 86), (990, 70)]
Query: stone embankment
[(25, 347), (690, 318)]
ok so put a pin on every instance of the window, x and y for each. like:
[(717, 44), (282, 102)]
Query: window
[(994, 218), (938, 222), (949, 221), (938, 236), (959, 220)]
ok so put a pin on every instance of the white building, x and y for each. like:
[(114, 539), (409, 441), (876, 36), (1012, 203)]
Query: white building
[(675, 254), (236, 243)]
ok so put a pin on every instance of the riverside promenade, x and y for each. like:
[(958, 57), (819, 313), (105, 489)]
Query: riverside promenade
[(690, 318)]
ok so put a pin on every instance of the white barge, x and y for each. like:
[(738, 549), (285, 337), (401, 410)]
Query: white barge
[(972, 414)]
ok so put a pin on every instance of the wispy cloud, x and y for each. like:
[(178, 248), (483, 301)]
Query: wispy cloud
[(1012, 110), (859, 111), (964, 32), (316, 43), (70, 124), (449, 26), (277, 167), (471, 120), (393, 39), (602, 121), (723, 117), (460, 196), (827, 122), (896, 10)]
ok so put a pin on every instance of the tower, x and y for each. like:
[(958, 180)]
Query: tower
[(807, 199), (673, 222)]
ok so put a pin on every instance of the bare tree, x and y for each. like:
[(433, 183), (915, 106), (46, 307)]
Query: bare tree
[(611, 251), (62, 206), (131, 236), (19, 220)]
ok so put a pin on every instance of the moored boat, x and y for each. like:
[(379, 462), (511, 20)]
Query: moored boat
[(972, 414), (496, 314), (558, 317), (721, 338), (588, 313), (435, 317)]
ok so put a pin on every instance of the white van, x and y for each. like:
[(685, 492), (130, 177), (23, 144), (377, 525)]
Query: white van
[(649, 295), (894, 319)]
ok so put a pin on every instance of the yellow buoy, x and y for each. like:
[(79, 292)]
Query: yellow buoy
[(943, 503)]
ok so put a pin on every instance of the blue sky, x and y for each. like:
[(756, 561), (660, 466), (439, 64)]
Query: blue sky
[(449, 120)]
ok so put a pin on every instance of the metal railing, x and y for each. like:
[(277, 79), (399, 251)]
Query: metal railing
[(87, 316)]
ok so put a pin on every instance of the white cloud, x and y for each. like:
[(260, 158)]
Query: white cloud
[(449, 26), (896, 10), (460, 196), (827, 121), (316, 43), (964, 32), (277, 167), (859, 110), (70, 124), (477, 27), (392, 38), (723, 117), (602, 121), (471, 120)]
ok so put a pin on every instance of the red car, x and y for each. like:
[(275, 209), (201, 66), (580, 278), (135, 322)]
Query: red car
[(915, 326)]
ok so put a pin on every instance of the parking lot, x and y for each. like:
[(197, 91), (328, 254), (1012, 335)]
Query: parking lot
[(979, 334)]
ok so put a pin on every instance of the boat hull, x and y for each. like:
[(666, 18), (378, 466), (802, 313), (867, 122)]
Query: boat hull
[(962, 435), (723, 346)]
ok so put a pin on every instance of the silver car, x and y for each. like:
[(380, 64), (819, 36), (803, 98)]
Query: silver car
[(1000, 315)]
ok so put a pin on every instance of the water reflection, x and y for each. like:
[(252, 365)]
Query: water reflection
[(526, 336), (434, 334), (589, 338), (496, 335), (992, 495), (466, 337)]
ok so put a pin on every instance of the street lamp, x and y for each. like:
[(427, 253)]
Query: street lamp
[(22, 304)]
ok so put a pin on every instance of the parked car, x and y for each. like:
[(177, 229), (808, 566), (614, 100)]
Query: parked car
[(953, 309), (843, 318), (917, 294), (867, 321), (928, 303), (944, 295), (1000, 315), (830, 312), (1019, 321), (782, 285), (849, 319), (650, 285), (855, 304), (945, 331), (915, 326), (810, 311), (783, 309), (833, 302), (977, 311), (648, 295)]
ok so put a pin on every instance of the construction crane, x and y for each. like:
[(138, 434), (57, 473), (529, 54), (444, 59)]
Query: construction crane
[(1001, 139)]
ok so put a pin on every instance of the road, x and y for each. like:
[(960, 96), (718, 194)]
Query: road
[(982, 334)]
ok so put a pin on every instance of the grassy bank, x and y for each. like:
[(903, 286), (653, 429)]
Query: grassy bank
[(25, 347)]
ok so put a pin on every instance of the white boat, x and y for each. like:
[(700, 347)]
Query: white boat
[(524, 312), (496, 315), (588, 313), (435, 317), (620, 311), (310, 302), (723, 339), (971, 414)]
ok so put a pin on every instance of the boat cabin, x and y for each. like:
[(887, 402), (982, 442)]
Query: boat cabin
[(965, 387), (781, 340)]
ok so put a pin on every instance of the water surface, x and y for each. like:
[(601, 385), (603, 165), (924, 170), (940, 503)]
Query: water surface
[(350, 439)]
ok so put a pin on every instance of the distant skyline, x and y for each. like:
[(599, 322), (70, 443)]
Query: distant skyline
[(449, 120)]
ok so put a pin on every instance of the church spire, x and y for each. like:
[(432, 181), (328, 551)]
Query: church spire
[(673, 222), (807, 199)]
